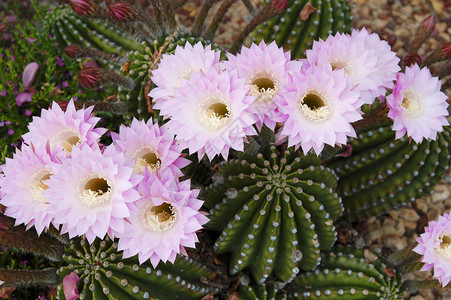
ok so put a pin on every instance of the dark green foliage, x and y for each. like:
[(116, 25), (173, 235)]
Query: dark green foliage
[(289, 31), (346, 273), (27, 42), (383, 173), (275, 211), (104, 274)]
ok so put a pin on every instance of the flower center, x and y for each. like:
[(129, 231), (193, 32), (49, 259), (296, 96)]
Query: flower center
[(339, 63), (315, 105), (412, 103), (264, 86), (444, 249), (96, 191), (214, 112), (146, 157), (160, 217), (37, 186), (67, 137)]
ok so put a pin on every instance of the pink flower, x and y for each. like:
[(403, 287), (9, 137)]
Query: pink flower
[(149, 146), (64, 128), (29, 74), (70, 282), (435, 246), (24, 182), (417, 106), (321, 106), (210, 114), (163, 221), (266, 69), (89, 192)]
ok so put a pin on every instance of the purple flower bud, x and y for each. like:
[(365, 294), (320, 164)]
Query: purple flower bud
[(29, 74), (28, 112), (10, 131), (70, 286), (446, 50), (23, 97)]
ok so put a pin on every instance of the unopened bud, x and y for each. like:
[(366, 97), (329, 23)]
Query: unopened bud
[(72, 51), (121, 12), (446, 50), (82, 8), (280, 5), (94, 77), (428, 25), (412, 59), (90, 77), (440, 54)]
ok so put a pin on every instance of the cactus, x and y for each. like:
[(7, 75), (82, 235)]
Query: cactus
[(347, 273), (263, 292), (275, 211), (289, 30), (105, 275), (383, 173)]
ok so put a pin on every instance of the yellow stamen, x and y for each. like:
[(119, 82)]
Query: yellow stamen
[(214, 112), (95, 191), (315, 105), (160, 217), (146, 157)]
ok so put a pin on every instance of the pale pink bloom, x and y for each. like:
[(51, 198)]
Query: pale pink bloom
[(174, 70), (70, 282), (417, 106), (64, 128), (164, 221), (266, 69), (321, 106), (150, 146), (89, 192), (435, 247), (24, 182), (211, 114)]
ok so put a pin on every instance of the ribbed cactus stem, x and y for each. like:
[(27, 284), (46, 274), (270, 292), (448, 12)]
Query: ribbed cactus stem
[(210, 32), (157, 14), (250, 7), (266, 13), (27, 241), (168, 12), (196, 30), (22, 278), (377, 116), (118, 107), (438, 55), (444, 70), (93, 53)]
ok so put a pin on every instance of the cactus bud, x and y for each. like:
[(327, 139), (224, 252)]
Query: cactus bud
[(121, 12), (82, 8), (280, 5), (72, 51), (428, 25), (411, 59), (440, 54), (446, 50), (90, 77)]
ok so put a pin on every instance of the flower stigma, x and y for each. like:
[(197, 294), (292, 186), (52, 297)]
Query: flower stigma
[(214, 112), (315, 106), (96, 191), (159, 217), (146, 157)]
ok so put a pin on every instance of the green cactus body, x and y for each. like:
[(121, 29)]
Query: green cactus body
[(346, 273), (275, 211), (289, 31), (262, 292), (383, 173), (104, 274), (69, 28)]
